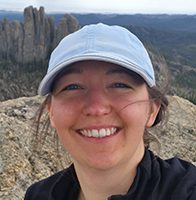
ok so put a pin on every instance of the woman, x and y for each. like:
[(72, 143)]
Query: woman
[(101, 98)]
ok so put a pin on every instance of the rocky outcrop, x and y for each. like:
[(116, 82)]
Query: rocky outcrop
[(20, 166), (33, 40), (177, 134), (38, 32), (66, 25)]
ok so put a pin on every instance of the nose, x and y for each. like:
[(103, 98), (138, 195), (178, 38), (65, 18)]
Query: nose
[(96, 104)]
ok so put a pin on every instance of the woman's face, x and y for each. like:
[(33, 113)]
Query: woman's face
[(100, 113)]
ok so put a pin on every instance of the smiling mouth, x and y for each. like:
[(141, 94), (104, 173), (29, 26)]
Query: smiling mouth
[(99, 133)]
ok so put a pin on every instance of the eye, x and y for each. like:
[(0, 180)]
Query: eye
[(120, 85), (72, 87)]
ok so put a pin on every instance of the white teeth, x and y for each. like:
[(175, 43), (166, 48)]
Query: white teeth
[(102, 133), (95, 133), (108, 131), (98, 133)]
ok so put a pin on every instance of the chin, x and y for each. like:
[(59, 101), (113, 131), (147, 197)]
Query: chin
[(102, 162)]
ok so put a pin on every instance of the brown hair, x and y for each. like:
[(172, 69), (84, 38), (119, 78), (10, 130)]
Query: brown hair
[(156, 95)]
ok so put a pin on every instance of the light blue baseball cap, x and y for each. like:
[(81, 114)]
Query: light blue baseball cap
[(100, 42)]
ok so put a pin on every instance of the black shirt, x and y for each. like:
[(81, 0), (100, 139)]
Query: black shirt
[(156, 179)]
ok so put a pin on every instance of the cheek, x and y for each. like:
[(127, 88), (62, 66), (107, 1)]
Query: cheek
[(63, 117), (62, 114), (135, 115)]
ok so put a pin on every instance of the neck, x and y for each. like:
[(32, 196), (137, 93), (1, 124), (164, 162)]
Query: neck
[(100, 184)]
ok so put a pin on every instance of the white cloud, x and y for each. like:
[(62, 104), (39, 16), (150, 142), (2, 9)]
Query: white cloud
[(131, 6)]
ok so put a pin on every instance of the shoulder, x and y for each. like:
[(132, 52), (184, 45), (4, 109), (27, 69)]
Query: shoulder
[(176, 176), (173, 165), (43, 188), (51, 186), (177, 166), (182, 176)]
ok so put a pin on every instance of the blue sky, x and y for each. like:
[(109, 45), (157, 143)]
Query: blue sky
[(111, 6)]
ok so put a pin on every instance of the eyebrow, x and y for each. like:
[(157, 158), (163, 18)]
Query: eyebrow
[(117, 71), (71, 70), (137, 78)]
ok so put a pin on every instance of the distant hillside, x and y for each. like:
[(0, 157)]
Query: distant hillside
[(161, 22), (164, 22), (11, 15)]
